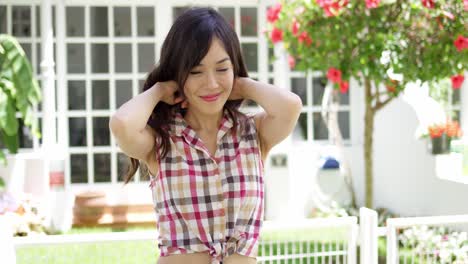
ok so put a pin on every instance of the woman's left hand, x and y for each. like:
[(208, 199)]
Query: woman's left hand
[(238, 88)]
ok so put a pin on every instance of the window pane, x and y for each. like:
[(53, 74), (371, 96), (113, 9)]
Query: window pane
[(122, 21), (271, 59), (102, 172), (177, 11), (145, 16), (300, 131), (228, 14), (343, 122), (146, 58), (123, 58), (100, 58), (140, 85), (344, 97), (320, 129), (76, 95), (75, 21), (76, 58), (456, 115), (21, 18), (249, 21), (24, 135), (98, 21), (455, 96), (317, 90), (100, 98), (249, 51), (27, 49), (122, 166), (101, 136), (3, 21), (299, 87), (38, 20), (79, 168), (77, 131), (123, 91)]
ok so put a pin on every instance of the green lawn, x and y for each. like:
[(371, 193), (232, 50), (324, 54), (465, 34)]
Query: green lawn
[(109, 252), (146, 251), (293, 241)]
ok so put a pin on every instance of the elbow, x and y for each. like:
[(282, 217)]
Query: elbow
[(296, 105), (116, 125)]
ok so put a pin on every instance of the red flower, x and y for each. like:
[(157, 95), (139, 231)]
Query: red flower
[(372, 3), (450, 128), (344, 87), (436, 131), (332, 7), (291, 61), (461, 43), (457, 81), (273, 13), (428, 3), (305, 37), (453, 130), (295, 27), (334, 75), (276, 35), (465, 4), (391, 86)]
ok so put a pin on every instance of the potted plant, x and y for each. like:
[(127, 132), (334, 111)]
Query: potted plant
[(442, 134), (19, 92)]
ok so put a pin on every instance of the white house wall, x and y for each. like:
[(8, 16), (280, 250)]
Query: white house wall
[(405, 179)]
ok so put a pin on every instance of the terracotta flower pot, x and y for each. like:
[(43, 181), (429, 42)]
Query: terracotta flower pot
[(89, 206)]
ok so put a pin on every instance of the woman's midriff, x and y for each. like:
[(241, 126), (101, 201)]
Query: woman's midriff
[(204, 258)]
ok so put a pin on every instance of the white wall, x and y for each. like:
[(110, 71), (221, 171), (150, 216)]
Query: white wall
[(405, 179)]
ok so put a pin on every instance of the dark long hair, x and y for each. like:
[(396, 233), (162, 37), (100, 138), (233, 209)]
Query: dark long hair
[(186, 44)]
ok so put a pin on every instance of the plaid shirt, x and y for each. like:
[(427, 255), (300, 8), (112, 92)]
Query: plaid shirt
[(210, 204)]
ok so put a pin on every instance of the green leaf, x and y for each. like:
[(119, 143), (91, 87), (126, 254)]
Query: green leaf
[(19, 91), (11, 141)]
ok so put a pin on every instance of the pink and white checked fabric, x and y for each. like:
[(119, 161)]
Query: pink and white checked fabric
[(210, 204)]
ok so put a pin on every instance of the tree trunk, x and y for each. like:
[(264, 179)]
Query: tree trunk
[(330, 105), (368, 143)]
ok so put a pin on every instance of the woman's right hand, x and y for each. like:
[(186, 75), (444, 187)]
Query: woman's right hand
[(169, 92)]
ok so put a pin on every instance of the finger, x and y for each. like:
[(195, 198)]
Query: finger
[(184, 104), (178, 99)]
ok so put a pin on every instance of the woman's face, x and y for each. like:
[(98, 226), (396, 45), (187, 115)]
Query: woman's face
[(209, 84)]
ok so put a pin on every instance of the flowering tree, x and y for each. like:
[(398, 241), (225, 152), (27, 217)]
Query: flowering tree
[(382, 44)]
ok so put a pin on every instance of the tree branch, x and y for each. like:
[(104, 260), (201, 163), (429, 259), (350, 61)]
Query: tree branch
[(379, 104)]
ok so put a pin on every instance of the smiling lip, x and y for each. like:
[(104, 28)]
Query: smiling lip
[(211, 97)]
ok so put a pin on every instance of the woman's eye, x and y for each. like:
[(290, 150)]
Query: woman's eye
[(195, 72), (222, 70)]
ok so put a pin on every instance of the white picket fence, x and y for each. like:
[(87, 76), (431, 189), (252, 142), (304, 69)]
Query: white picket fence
[(284, 242)]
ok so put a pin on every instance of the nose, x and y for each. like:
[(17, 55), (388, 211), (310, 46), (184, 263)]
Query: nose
[(211, 81)]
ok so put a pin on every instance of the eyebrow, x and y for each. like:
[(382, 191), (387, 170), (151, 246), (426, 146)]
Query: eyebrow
[(218, 62)]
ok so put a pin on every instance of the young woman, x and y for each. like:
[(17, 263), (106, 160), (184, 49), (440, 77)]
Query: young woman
[(205, 158)]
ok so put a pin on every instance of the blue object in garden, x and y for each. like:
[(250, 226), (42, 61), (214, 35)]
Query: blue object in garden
[(329, 163)]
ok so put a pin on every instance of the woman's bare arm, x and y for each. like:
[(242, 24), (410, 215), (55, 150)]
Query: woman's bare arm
[(128, 124), (282, 109)]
